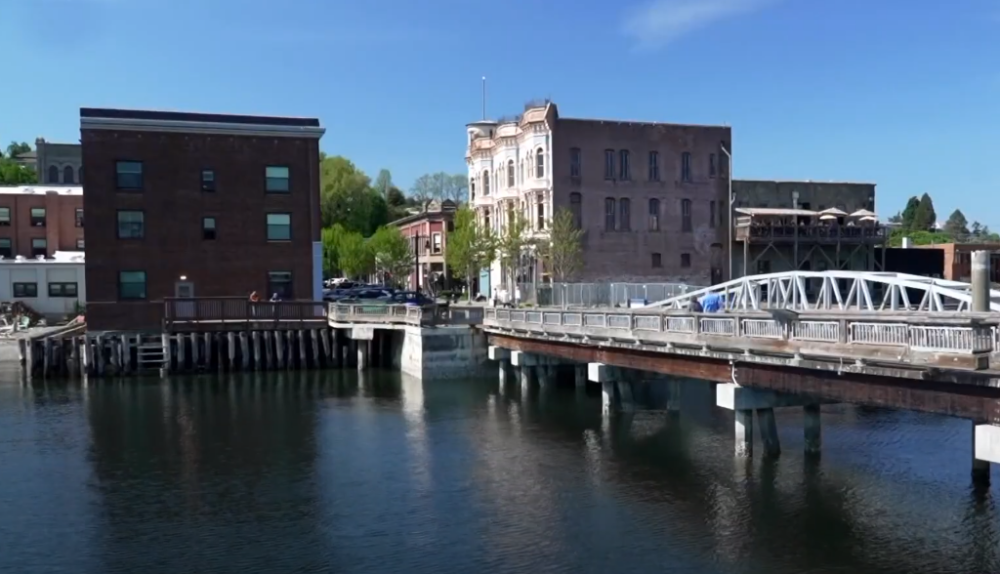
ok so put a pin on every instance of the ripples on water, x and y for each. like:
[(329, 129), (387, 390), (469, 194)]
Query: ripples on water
[(321, 472)]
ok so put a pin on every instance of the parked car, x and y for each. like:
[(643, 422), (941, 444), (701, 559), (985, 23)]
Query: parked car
[(412, 298)]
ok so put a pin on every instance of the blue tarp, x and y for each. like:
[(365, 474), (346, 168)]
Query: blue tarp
[(711, 302)]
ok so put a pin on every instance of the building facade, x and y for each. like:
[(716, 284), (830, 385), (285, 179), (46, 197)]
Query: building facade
[(648, 196), (427, 232), (53, 287), (958, 259), (197, 205), (38, 220), (55, 163), (804, 225)]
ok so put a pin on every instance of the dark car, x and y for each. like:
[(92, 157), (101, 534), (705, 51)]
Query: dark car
[(412, 298)]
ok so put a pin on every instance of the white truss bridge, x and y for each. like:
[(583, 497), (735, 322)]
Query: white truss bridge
[(838, 290)]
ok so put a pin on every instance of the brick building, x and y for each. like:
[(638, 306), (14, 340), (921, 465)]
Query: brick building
[(184, 205), (649, 196), (427, 231), (40, 220), (958, 259)]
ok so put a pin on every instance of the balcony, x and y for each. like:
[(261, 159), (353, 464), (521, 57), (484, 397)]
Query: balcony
[(811, 234)]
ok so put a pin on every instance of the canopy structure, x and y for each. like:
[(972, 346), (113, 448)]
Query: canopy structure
[(863, 213)]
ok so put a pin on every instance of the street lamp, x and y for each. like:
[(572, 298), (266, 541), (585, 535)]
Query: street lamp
[(729, 249)]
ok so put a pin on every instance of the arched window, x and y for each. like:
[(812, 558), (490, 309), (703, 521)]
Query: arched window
[(654, 214), (510, 173), (68, 174), (472, 189), (53, 174), (539, 164), (486, 183), (686, 215), (576, 208), (624, 214)]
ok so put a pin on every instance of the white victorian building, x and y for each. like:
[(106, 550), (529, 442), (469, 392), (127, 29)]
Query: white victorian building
[(509, 173)]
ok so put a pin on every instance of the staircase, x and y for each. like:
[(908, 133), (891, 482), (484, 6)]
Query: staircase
[(151, 354)]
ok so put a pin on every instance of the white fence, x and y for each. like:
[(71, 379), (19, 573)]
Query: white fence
[(569, 295)]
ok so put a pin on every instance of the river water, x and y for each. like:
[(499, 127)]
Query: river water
[(323, 472)]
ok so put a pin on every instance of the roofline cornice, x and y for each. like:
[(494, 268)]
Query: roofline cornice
[(211, 128)]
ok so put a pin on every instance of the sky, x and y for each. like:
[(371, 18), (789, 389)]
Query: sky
[(902, 93)]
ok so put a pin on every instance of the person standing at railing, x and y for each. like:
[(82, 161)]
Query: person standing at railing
[(254, 299)]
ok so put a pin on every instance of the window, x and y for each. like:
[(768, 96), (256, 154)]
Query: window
[(576, 208), (685, 260), (62, 289), (53, 174), (686, 166), (711, 214), (609, 164), (79, 217), (6, 249), (472, 189), (38, 217), (540, 211), (279, 226), (654, 166), (539, 164), (657, 260), (79, 244), (39, 247), (436, 243), (208, 228), (574, 162), (131, 225), (654, 214), (722, 215), (128, 175), (623, 166), (68, 174), (486, 183), (131, 284), (208, 180), (711, 165), (5, 216), (276, 179), (22, 290), (609, 214), (450, 226), (280, 284), (624, 214), (510, 173), (686, 215)]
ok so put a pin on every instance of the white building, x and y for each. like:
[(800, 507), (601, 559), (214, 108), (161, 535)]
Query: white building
[(53, 287), (510, 172)]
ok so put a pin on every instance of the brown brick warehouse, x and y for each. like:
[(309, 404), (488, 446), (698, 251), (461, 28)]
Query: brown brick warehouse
[(196, 205)]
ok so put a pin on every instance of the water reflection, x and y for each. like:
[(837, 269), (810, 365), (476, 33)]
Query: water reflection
[(329, 471)]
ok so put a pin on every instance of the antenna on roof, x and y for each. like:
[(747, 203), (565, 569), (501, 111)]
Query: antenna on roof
[(484, 98)]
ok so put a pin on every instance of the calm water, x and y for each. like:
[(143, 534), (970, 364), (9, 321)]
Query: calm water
[(322, 472)]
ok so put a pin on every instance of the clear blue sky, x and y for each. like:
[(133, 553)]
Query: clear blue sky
[(903, 93)]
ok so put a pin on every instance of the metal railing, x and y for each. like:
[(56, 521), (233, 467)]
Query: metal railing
[(428, 315), (936, 335), (576, 295), (209, 310)]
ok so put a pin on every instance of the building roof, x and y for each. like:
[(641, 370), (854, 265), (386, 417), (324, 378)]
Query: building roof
[(162, 115), (41, 189), (801, 181), (196, 122), (431, 208), (59, 257), (775, 211)]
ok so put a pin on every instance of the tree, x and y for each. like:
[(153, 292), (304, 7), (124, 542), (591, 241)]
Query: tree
[(471, 246), (440, 186), (511, 245), (392, 254), (346, 197), (910, 212), (562, 252), (13, 173), (15, 149), (924, 218), (332, 237), (957, 226), (898, 218), (354, 256), (980, 233), (383, 183)]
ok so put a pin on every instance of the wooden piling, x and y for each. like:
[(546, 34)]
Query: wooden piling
[(231, 349), (314, 340), (325, 336), (256, 350), (99, 350), (244, 351), (302, 349), (269, 351), (279, 348)]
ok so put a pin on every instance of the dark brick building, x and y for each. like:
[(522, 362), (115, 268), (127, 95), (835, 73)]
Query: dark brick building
[(205, 205)]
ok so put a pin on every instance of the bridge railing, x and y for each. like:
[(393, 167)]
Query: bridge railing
[(426, 315), (934, 338)]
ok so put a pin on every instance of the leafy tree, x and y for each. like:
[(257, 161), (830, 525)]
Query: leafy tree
[(354, 256), (440, 186), (924, 218), (346, 197), (918, 237), (910, 212), (392, 254), (15, 149), (980, 233), (383, 183), (13, 173), (898, 218), (511, 244), (957, 226), (471, 246), (332, 237), (562, 251)]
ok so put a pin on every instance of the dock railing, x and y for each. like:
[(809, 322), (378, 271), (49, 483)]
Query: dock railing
[(427, 315), (229, 311)]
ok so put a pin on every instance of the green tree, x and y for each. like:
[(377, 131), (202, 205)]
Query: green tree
[(562, 251), (924, 218), (13, 173), (957, 226), (980, 233), (471, 246), (440, 186), (511, 245), (910, 212), (383, 183), (346, 197), (392, 254), (354, 256), (15, 149), (332, 237)]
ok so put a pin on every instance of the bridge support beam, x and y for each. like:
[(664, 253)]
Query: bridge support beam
[(580, 376), (525, 363), (502, 357), (985, 450), (812, 429), (744, 401), (616, 392)]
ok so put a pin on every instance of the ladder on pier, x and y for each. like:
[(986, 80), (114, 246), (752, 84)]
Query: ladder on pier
[(150, 353)]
